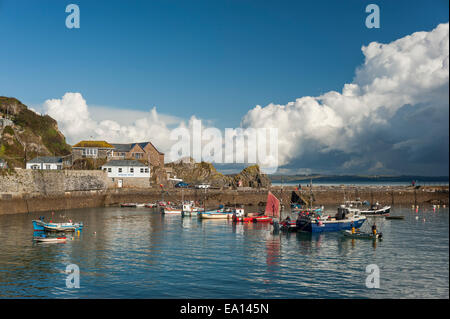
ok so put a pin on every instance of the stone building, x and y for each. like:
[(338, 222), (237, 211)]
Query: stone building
[(145, 151), (91, 149)]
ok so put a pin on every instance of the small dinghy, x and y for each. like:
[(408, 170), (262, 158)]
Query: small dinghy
[(134, 205), (361, 235), (395, 217), (44, 239)]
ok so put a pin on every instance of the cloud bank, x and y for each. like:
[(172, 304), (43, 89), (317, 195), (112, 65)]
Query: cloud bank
[(392, 119), (76, 122)]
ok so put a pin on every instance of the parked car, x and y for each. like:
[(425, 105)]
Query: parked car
[(182, 185), (203, 186)]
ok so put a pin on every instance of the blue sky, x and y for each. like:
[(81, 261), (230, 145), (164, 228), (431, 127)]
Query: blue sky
[(212, 59), (215, 59)]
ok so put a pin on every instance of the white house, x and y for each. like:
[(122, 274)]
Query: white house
[(45, 162), (126, 168), (128, 173)]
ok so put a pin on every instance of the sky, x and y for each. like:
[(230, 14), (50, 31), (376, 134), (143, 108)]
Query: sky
[(345, 99)]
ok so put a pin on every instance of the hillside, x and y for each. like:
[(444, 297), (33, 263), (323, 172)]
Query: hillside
[(29, 135)]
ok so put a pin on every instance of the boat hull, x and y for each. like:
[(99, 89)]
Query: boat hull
[(377, 212), (171, 211), (62, 227), (50, 240), (360, 235), (315, 226), (189, 213), (215, 215), (39, 225)]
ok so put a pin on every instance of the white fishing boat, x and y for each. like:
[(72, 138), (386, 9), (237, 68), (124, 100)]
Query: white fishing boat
[(220, 213), (189, 209), (169, 210), (376, 210)]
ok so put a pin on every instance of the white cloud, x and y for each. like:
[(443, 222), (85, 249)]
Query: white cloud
[(77, 123), (392, 118), (406, 76)]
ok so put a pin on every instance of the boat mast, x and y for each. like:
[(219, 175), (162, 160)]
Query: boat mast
[(281, 196)]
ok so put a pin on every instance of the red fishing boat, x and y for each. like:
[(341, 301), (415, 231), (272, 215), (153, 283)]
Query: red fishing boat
[(272, 210)]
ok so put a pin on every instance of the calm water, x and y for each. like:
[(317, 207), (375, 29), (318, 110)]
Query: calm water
[(137, 253)]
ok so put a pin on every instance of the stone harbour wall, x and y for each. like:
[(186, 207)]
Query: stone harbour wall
[(51, 182), (323, 195)]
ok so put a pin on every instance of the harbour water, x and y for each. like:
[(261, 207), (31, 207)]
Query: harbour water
[(139, 253)]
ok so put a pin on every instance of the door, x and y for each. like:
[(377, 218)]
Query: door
[(119, 183)]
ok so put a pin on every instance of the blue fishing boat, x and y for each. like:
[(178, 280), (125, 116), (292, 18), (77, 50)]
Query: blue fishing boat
[(317, 223), (40, 225)]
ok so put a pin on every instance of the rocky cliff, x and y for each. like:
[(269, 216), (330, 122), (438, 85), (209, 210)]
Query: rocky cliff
[(195, 173), (29, 135)]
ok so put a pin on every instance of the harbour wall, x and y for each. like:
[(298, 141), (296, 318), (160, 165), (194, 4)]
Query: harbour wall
[(323, 195)]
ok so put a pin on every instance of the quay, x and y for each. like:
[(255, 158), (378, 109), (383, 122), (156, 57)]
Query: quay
[(322, 195)]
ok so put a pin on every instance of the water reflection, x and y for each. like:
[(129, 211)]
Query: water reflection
[(140, 253)]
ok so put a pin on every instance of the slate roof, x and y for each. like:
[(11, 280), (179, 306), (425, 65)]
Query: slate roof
[(46, 160), (122, 147)]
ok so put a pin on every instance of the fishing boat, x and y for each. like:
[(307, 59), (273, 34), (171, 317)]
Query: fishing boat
[(343, 220), (272, 211), (361, 235), (220, 213), (150, 205), (40, 225), (189, 209), (171, 210), (376, 210)]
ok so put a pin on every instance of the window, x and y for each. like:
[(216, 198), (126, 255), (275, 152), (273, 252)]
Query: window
[(146, 170), (109, 169), (90, 152), (142, 170), (131, 170), (47, 166), (120, 169)]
